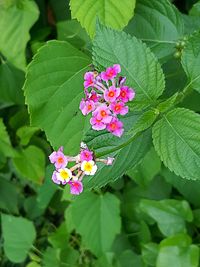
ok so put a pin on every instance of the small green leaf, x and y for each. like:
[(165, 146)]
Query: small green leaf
[(170, 214), (16, 21), (177, 141), (60, 237), (5, 145), (150, 253), (190, 61), (138, 64), (178, 251), (18, 235), (30, 164), (114, 14), (11, 82), (99, 213), (53, 90), (25, 133)]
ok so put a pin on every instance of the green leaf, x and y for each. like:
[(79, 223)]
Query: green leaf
[(126, 158), (128, 258), (5, 145), (30, 164), (16, 21), (138, 64), (53, 90), (170, 214), (72, 32), (190, 189), (60, 237), (178, 251), (11, 82), (18, 235), (150, 253), (33, 264), (25, 133), (114, 14), (8, 196), (177, 141), (190, 61), (51, 258), (195, 10), (159, 24), (99, 213)]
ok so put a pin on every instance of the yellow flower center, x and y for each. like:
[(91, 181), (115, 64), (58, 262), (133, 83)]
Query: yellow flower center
[(64, 174), (88, 167)]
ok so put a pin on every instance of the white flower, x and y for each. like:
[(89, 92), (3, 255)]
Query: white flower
[(64, 175), (89, 167)]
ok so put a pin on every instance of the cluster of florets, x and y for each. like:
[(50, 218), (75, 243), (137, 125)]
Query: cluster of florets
[(106, 97), (85, 164)]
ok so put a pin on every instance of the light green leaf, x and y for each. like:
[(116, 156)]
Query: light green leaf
[(138, 64), (5, 145), (33, 264), (16, 21), (170, 214), (159, 24), (195, 10), (177, 141), (11, 82), (190, 61), (18, 235), (59, 238), (99, 213), (30, 164), (25, 133), (177, 251), (149, 253), (51, 258), (115, 14), (53, 90)]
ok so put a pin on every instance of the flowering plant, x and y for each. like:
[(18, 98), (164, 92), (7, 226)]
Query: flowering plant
[(107, 99)]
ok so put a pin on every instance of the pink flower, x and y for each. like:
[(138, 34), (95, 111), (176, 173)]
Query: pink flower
[(89, 79), (97, 124), (126, 94), (58, 159), (115, 127), (54, 178), (86, 155), (86, 106), (111, 72), (119, 108), (94, 96), (103, 113), (76, 187), (111, 94), (110, 161)]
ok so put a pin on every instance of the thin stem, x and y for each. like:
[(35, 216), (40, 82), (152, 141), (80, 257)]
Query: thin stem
[(37, 250), (158, 41)]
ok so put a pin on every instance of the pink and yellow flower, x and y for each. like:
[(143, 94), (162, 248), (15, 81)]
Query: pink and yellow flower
[(103, 113), (119, 108), (89, 78), (63, 175), (97, 124), (115, 127), (58, 158), (86, 106), (126, 94), (111, 94)]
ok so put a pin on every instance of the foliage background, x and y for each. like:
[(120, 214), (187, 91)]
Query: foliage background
[(144, 210)]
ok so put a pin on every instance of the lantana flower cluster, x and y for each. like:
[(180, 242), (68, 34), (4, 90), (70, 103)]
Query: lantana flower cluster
[(85, 164), (106, 96)]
